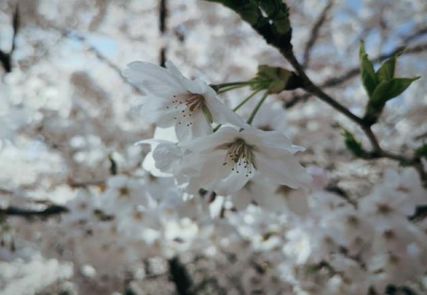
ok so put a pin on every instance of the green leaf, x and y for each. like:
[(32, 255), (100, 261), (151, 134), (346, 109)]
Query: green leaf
[(386, 71), (248, 9), (387, 90), (369, 77), (421, 151), (352, 144), (277, 11)]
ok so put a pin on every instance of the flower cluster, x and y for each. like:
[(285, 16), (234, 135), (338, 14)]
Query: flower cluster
[(223, 159), (83, 210)]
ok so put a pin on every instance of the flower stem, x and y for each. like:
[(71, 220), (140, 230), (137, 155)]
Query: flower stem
[(239, 106), (228, 88), (222, 85), (216, 128), (246, 100), (258, 106)]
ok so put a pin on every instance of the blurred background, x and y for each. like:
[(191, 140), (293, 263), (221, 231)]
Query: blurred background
[(69, 119)]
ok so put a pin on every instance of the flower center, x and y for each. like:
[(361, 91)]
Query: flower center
[(186, 105), (240, 156), (195, 102)]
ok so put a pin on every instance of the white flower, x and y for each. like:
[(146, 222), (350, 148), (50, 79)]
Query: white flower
[(123, 195), (173, 100), (394, 199), (229, 158)]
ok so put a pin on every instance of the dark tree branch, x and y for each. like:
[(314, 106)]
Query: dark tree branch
[(314, 35), (6, 58), (163, 16), (29, 213), (180, 277), (313, 89)]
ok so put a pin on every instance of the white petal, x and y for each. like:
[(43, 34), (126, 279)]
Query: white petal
[(193, 86), (201, 126), (210, 142), (234, 182), (220, 112), (154, 79), (166, 155), (283, 170), (271, 139)]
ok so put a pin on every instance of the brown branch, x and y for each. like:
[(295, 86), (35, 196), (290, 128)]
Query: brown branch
[(314, 35), (310, 87)]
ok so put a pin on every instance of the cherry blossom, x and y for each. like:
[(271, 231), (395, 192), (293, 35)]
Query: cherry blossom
[(229, 158), (173, 100)]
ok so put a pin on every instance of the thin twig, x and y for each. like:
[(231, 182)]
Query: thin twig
[(100, 57), (315, 33), (310, 87)]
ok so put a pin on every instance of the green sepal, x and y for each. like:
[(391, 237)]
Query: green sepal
[(207, 114), (273, 79)]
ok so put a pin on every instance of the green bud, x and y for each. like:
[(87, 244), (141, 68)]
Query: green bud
[(381, 85), (275, 79), (352, 144)]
